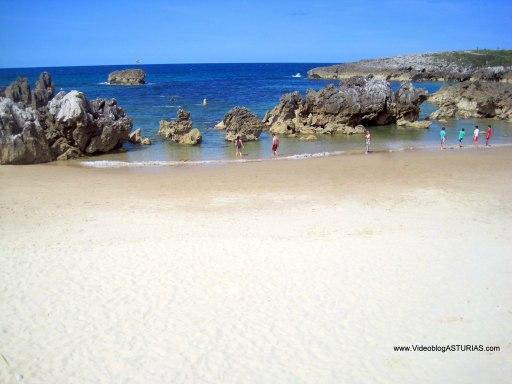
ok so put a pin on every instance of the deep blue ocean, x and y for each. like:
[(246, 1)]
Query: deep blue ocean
[(256, 86)]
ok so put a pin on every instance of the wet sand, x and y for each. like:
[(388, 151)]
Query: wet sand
[(303, 271)]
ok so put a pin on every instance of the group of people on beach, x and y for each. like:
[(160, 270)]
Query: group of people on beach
[(462, 135), (239, 145)]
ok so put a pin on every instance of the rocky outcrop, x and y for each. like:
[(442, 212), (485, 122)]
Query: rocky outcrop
[(180, 130), (462, 65), (423, 124), (19, 91), (473, 100), (22, 139), (358, 102), (240, 121), (95, 127), (127, 77), (67, 126), (43, 91), (135, 137)]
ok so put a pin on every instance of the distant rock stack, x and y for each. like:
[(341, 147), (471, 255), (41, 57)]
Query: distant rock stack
[(127, 77), (180, 130)]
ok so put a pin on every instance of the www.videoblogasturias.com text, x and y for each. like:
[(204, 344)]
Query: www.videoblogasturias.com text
[(447, 348)]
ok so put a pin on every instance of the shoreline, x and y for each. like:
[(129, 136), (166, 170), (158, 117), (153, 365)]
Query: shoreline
[(302, 156)]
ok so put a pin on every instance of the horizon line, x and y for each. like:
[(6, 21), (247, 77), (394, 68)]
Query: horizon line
[(267, 62), (197, 63)]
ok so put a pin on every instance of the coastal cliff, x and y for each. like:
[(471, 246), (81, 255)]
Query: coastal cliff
[(483, 65)]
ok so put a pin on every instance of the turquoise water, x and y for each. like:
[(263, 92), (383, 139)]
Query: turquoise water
[(256, 86)]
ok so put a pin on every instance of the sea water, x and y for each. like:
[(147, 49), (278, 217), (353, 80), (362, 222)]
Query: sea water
[(255, 86)]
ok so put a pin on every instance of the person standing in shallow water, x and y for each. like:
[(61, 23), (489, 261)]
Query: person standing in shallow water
[(275, 145), (488, 135), (442, 134), (462, 134), (476, 132), (368, 138), (239, 145)]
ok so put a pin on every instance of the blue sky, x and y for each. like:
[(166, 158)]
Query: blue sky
[(59, 33)]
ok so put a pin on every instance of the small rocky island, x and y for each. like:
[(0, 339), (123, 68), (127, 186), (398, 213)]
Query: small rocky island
[(473, 100), (483, 65), (38, 127), (358, 102), (180, 130), (127, 77)]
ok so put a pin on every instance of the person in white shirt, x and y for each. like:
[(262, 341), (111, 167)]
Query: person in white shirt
[(476, 132)]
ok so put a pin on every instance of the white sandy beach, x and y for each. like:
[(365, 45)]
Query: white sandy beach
[(278, 272)]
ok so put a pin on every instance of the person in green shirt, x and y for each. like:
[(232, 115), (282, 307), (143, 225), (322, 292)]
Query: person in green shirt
[(462, 133), (443, 137)]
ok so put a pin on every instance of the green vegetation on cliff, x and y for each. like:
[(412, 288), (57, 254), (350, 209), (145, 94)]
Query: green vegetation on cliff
[(478, 58)]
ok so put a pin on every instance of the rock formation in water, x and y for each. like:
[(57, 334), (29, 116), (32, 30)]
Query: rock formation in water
[(91, 127), (358, 102), (135, 137), (180, 130), (127, 77), (240, 121), (37, 127), (473, 99), (485, 65)]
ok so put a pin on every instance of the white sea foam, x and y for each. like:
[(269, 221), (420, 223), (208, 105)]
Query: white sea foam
[(156, 163)]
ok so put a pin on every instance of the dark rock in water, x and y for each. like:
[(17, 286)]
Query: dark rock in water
[(127, 77), (473, 99), (43, 92), (359, 102), (240, 121), (22, 139), (19, 91), (180, 130)]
